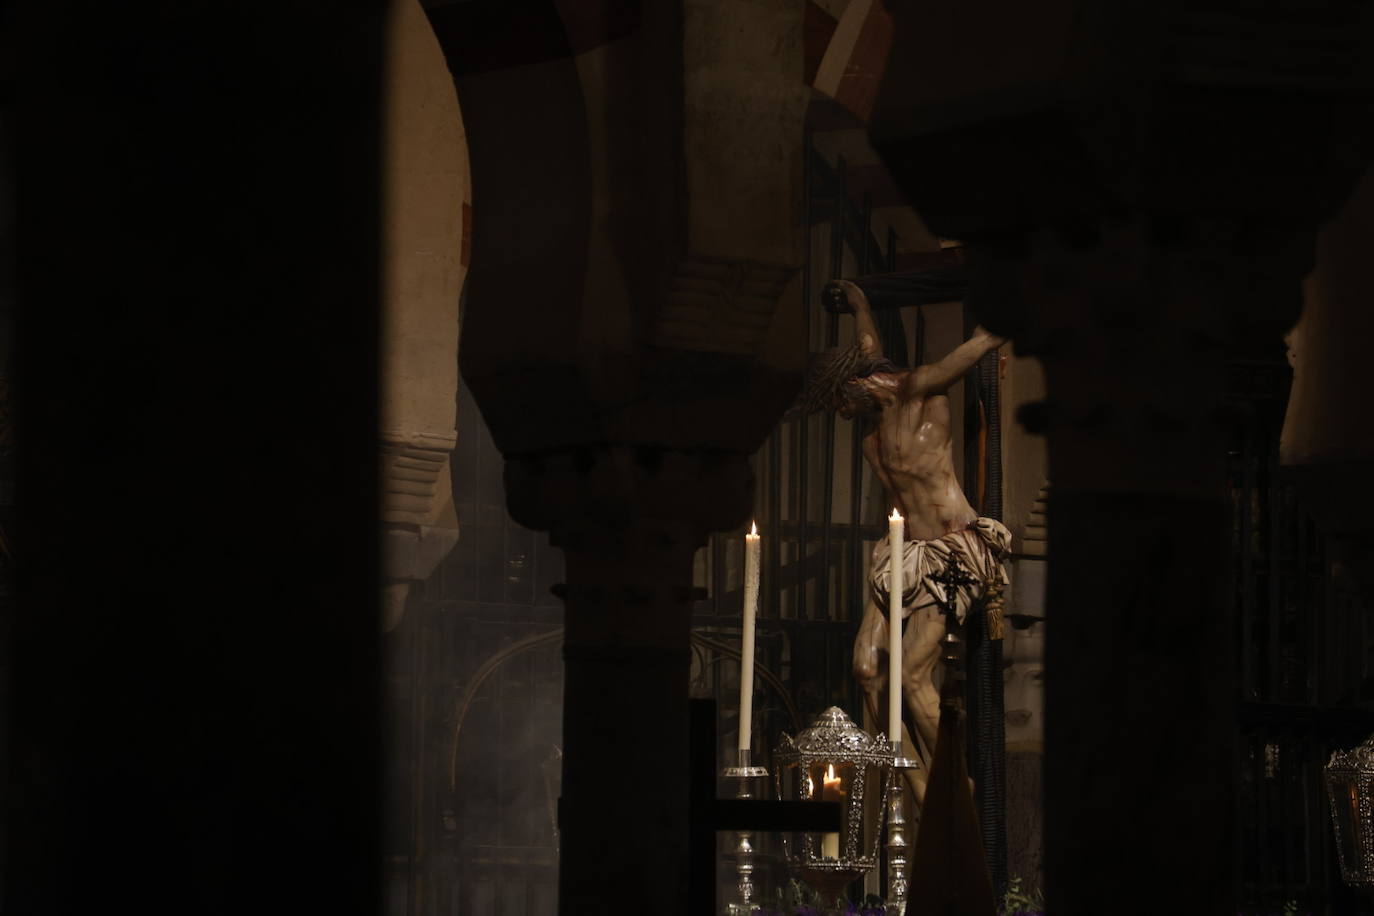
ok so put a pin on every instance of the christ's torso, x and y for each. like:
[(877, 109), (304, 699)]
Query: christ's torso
[(913, 455)]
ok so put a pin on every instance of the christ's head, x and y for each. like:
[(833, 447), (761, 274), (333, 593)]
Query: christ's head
[(845, 379), (857, 399)]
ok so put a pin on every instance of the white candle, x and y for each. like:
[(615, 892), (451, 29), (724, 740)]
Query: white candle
[(751, 607), (830, 791), (896, 533)]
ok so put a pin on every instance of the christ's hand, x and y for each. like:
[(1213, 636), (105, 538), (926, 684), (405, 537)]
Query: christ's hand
[(866, 331), (855, 296)]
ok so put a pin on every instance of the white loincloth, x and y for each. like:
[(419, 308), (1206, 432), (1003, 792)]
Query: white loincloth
[(980, 549)]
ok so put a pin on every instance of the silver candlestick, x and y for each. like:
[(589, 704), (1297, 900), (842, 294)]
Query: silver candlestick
[(897, 844), (744, 774)]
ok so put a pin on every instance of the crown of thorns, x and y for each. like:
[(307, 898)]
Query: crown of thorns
[(831, 371)]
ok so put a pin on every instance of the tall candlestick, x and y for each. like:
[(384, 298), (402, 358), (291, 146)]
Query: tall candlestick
[(896, 534), (751, 607)]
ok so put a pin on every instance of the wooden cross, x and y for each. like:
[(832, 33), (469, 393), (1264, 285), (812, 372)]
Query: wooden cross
[(940, 277)]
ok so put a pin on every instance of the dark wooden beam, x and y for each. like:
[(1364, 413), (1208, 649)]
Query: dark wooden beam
[(710, 814), (923, 261), (825, 114), (937, 283), (758, 814)]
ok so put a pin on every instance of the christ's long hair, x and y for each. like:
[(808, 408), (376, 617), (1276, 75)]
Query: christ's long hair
[(830, 381)]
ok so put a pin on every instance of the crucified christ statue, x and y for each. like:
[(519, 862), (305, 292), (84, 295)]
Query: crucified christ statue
[(909, 447)]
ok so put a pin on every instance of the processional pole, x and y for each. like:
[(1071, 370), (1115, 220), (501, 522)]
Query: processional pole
[(949, 867)]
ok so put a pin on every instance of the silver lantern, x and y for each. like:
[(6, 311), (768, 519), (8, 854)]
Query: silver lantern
[(835, 760), (1349, 783)]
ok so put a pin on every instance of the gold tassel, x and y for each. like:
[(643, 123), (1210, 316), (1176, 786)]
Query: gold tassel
[(995, 604)]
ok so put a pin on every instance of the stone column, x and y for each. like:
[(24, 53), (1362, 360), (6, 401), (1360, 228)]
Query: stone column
[(632, 333), (629, 522)]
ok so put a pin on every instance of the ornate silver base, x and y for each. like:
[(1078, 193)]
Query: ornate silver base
[(743, 773), (897, 844)]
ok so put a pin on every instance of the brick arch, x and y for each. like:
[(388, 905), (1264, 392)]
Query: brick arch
[(848, 54), (426, 209), (431, 171)]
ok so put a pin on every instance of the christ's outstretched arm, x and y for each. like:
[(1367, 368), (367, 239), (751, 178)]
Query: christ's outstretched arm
[(938, 376)]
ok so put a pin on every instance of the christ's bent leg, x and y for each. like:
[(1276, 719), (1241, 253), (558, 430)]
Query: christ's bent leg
[(870, 659), (870, 670), (920, 653)]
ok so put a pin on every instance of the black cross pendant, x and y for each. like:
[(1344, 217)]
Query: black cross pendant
[(951, 577)]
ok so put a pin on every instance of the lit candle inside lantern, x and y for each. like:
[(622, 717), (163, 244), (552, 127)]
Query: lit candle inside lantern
[(830, 791), (896, 533), (751, 607)]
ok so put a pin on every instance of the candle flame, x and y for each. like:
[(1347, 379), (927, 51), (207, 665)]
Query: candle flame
[(895, 516), (830, 772), (754, 529)]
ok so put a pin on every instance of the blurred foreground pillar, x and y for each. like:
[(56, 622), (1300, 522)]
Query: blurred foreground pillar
[(193, 683), (1139, 189)]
